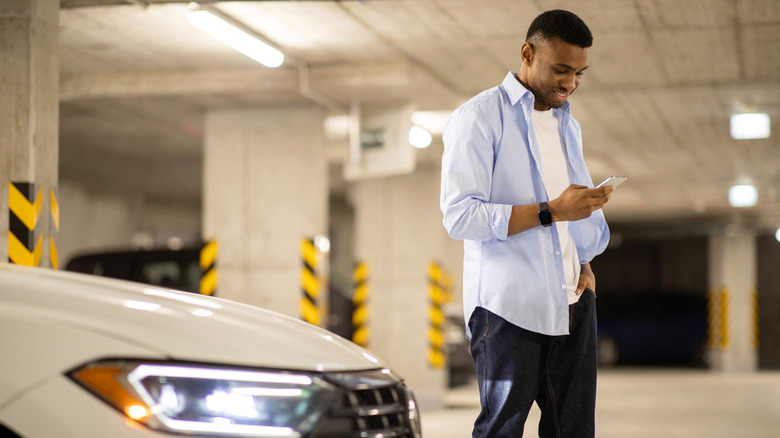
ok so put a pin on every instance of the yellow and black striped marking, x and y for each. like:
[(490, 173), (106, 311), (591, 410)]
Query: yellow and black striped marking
[(54, 229), (209, 278), (437, 357), (447, 285), (360, 314), (310, 284), (725, 329), (25, 242)]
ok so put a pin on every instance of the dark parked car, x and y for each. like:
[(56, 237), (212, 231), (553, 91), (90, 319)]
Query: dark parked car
[(179, 269), (652, 328)]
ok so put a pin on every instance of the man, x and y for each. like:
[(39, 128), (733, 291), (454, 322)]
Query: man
[(516, 190)]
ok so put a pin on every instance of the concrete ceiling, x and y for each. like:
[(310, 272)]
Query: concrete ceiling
[(664, 77)]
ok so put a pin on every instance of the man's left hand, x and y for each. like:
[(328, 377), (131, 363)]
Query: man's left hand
[(587, 280)]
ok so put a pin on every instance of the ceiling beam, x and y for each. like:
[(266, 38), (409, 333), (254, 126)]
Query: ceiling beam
[(345, 83), (151, 84), (70, 4)]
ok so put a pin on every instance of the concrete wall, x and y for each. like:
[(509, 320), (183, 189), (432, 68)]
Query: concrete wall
[(94, 220), (265, 189), (29, 90)]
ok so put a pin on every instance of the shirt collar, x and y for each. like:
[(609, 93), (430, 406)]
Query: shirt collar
[(517, 92)]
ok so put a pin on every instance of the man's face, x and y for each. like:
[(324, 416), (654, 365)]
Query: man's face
[(552, 71)]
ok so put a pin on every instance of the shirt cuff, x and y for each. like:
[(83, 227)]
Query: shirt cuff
[(499, 220)]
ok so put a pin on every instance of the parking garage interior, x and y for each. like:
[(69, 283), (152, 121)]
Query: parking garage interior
[(137, 132)]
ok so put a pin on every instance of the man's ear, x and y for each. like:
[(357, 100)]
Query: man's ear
[(527, 52)]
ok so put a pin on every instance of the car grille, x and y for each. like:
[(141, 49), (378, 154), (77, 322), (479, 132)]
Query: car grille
[(376, 412)]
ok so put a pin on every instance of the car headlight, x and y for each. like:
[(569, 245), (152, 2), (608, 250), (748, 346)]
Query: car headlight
[(188, 398), (414, 414)]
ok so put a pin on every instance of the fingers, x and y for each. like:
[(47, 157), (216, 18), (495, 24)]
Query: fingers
[(586, 280), (581, 285), (602, 191), (608, 189), (601, 200), (600, 196), (579, 202), (574, 187)]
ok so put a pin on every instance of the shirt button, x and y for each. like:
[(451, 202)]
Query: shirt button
[(563, 286), (557, 253)]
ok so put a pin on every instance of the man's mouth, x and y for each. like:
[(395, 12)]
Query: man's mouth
[(561, 95)]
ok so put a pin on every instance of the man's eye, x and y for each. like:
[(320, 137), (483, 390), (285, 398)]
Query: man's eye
[(560, 72)]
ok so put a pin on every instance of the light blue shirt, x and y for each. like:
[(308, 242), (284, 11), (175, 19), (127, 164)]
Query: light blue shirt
[(491, 162)]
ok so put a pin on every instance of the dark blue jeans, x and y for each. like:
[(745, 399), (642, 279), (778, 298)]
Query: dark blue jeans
[(516, 367)]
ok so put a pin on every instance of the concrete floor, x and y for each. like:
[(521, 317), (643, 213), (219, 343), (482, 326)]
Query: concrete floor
[(650, 403)]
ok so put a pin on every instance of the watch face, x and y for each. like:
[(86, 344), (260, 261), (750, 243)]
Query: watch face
[(545, 215)]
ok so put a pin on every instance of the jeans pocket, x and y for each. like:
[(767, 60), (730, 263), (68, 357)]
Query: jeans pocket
[(592, 292), (476, 322)]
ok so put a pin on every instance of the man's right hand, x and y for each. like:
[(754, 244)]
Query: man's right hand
[(578, 202)]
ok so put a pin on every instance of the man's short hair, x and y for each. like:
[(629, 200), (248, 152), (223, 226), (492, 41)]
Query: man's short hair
[(560, 24)]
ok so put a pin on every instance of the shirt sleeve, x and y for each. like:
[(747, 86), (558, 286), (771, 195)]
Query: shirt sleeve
[(467, 173), (591, 236)]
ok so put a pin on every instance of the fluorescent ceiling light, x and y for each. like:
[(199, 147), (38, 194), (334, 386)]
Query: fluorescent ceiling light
[(777, 234), (743, 195), (236, 38), (419, 137), (751, 125)]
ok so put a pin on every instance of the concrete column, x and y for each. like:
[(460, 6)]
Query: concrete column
[(265, 188), (733, 312), (399, 231), (29, 105)]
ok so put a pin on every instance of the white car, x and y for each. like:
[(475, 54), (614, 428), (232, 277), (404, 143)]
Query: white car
[(85, 356)]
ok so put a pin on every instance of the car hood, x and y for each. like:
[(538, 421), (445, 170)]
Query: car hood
[(177, 325)]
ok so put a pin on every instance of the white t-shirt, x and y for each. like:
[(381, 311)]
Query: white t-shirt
[(555, 173)]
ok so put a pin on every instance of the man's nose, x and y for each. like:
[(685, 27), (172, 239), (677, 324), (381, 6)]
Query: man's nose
[(570, 83)]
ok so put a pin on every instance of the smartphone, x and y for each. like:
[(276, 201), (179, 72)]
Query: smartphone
[(613, 181)]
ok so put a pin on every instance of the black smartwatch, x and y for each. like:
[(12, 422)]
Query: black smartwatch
[(545, 215)]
